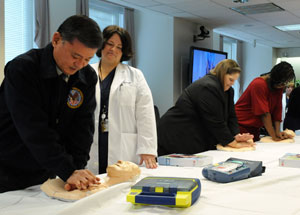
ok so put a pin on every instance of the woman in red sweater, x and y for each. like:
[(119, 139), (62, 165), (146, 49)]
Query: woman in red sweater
[(261, 104)]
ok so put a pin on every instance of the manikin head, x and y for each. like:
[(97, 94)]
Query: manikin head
[(123, 169)]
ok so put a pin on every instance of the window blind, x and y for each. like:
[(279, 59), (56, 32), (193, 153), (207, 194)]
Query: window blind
[(19, 27), (105, 14)]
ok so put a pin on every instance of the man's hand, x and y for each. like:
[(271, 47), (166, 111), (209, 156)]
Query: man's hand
[(149, 160), (235, 144), (81, 180), (243, 137)]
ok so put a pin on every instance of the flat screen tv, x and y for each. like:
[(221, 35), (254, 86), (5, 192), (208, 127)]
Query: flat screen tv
[(202, 61)]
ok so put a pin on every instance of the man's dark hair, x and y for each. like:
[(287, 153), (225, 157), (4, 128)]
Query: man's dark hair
[(281, 74), (127, 52), (82, 28)]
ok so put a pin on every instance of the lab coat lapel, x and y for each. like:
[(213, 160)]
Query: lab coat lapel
[(118, 79), (98, 90)]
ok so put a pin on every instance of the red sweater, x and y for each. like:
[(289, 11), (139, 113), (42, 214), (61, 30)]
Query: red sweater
[(257, 100)]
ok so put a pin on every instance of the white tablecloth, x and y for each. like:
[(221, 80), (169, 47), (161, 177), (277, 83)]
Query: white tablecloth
[(275, 192)]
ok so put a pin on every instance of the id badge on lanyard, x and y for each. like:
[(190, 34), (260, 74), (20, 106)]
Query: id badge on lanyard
[(104, 120)]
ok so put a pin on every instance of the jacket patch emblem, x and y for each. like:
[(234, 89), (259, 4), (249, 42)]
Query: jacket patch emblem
[(75, 98)]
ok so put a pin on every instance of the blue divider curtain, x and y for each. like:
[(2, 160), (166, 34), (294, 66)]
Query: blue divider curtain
[(129, 26), (82, 7), (42, 17)]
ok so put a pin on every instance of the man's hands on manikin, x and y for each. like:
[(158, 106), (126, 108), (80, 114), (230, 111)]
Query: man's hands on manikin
[(242, 140), (243, 137), (81, 180)]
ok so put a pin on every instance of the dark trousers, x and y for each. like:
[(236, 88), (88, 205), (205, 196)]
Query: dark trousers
[(103, 152)]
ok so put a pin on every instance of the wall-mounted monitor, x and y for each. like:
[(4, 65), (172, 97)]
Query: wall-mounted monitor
[(202, 61)]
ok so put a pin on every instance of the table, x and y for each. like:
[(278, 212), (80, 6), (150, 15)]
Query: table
[(275, 192)]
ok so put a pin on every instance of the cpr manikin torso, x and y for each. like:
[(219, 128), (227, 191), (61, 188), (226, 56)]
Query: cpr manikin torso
[(290, 133), (122, 171), (231, 149)]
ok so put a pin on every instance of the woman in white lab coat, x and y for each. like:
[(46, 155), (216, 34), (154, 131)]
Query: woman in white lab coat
[(124, 117)]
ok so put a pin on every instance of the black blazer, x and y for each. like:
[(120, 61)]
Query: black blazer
[(202, 117)]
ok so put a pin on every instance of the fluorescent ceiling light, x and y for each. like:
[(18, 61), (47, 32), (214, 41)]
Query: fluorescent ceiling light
[(288, 27)]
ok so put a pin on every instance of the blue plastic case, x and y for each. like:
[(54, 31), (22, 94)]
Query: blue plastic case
[(227, 171), (168, 191)]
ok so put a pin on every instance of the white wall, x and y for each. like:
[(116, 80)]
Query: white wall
[(291, 55), (162, 53), (217, 41), (288, 52), (154, 55), (255, 61), (183, 40), (295, 62), (2, 56), (59, 11)]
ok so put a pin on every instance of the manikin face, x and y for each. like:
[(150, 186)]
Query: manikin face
[(70, 57), (124, 169), (112, 51), (229, 80)]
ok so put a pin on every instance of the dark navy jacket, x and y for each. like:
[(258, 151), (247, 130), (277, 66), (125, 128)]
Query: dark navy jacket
[(46, 124)]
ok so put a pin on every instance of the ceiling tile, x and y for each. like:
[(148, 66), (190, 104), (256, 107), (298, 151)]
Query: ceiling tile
[(165, 9), (289, 5), (170, 1), (143, 3), (230, 3), (191, 6), (276, 18)]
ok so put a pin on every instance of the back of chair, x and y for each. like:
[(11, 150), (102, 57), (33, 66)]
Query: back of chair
[(157, 116)]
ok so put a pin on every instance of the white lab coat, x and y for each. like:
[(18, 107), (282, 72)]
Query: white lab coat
[(131, 118), (284, 110)]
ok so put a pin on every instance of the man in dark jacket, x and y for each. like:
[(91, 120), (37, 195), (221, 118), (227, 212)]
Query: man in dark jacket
[(47, 101)]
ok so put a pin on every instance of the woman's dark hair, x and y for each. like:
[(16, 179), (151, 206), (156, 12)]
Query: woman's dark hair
[(82, 28), (109, 31), (281, 74)]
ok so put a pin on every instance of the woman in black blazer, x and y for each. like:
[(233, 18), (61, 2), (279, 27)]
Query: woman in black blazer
[(204, 115)]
